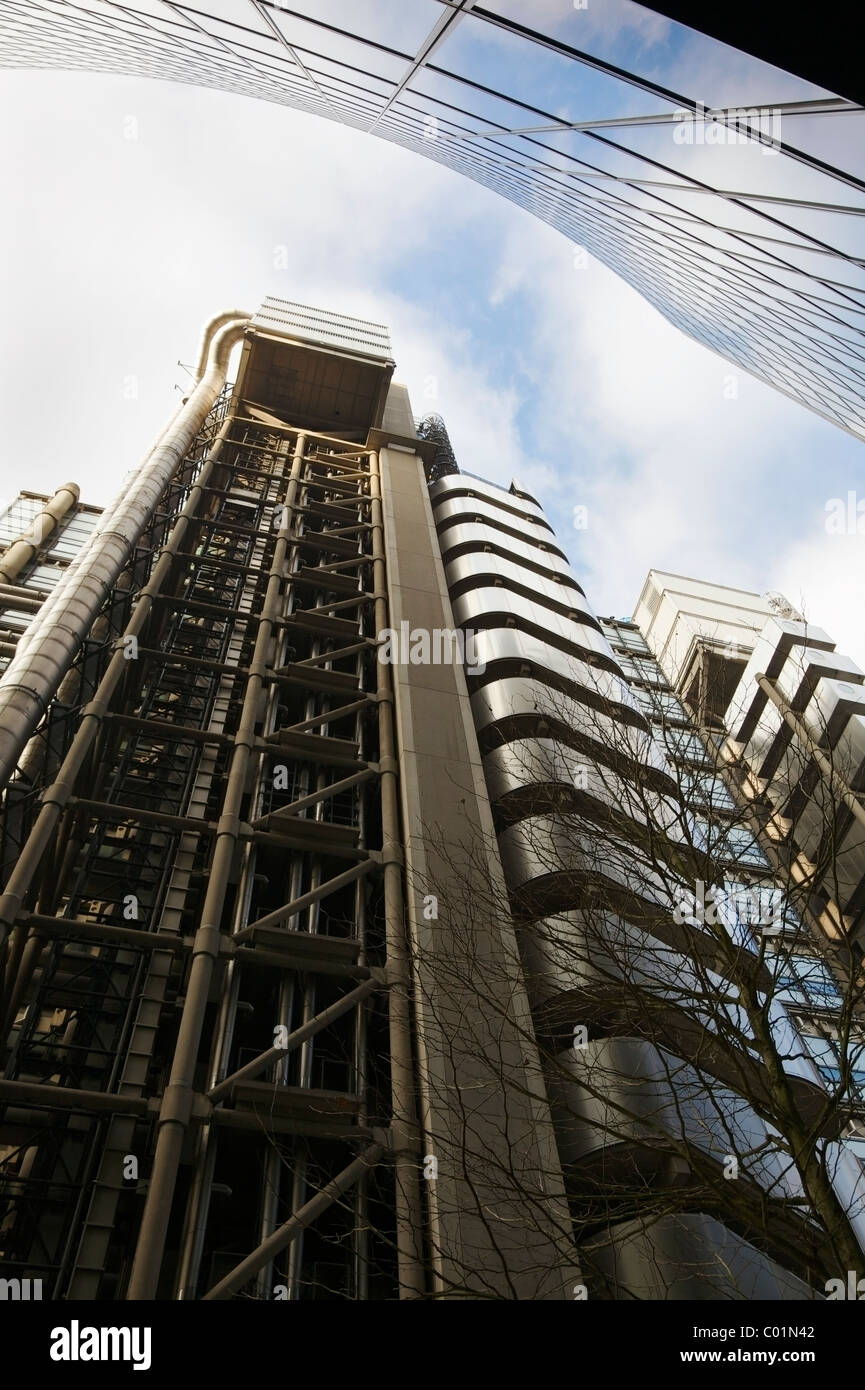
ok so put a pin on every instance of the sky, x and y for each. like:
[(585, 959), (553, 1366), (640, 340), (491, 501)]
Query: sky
[(138, 209)]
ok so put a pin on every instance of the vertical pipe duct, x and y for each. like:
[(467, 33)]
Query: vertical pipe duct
[(48, 648), (410, 1223)]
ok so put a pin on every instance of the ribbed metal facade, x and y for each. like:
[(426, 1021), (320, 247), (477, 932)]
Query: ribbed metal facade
[(553, 697)]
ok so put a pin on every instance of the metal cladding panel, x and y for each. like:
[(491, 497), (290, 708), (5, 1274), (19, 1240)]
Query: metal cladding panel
[(690, 1255), (805, 666), (477, 536), (621, 1091), (471, 572), (779, 641), (762, 737), (475, 607), (321, 327), (540, 846), (398, 418), (455, 509), (523, 696), (565, 840), (469, 483), (511, 644), (575, 950), (834, 704), (525, 765)]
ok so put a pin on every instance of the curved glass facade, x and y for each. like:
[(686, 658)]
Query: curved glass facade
[(727, 192)]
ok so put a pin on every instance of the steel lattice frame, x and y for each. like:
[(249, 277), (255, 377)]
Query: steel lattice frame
[(258, 660), (758, 262)]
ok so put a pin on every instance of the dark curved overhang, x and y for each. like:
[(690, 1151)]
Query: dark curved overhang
[(824, 48)]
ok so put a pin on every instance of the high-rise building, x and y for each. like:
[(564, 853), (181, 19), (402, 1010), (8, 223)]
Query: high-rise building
[(781, 712), (698, 651), (787, 712), (344, 951)]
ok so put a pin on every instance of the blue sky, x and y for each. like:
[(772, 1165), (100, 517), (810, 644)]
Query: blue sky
[(142, 208)]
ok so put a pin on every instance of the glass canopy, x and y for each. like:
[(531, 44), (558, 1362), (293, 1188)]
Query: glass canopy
[(728, 192)]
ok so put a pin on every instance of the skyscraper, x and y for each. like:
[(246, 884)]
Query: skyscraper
[(345, 950), (788, 709), (782, 711)]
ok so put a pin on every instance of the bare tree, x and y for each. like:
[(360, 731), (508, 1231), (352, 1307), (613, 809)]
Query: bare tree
[(671, 972)]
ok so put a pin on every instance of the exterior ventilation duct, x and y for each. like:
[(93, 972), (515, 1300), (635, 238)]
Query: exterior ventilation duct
[(48, 648), (21, 551)]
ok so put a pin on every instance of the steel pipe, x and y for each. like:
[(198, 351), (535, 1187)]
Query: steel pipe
[(8, 592), (50, 644), (209, 332), (21, 551), (281, 1239), (56, 797), (176, 1110)]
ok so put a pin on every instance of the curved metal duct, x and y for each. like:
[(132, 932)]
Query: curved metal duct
[(48, 648), (209, 331)]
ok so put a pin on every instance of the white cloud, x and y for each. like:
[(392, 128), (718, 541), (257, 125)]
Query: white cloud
[(684, 462), (824, 576), (125, 246)]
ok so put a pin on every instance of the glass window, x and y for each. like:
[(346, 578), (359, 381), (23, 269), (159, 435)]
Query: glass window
[(825, 1055), (733, 844), (644, 701), (15, 622), (43, 577), (806, 980), (706, 789), (685, 745), (741, 845), (668, 707), (856, 1146), (749, 907), (643, 669), (627, 638), (18, 517)]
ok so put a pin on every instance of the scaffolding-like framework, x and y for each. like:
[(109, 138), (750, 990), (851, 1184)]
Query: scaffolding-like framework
[(209, 867), (434, 429)]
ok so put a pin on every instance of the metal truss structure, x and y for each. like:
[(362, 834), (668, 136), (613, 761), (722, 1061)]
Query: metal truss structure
[(433, 428), (215, 865), (735, 208)]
